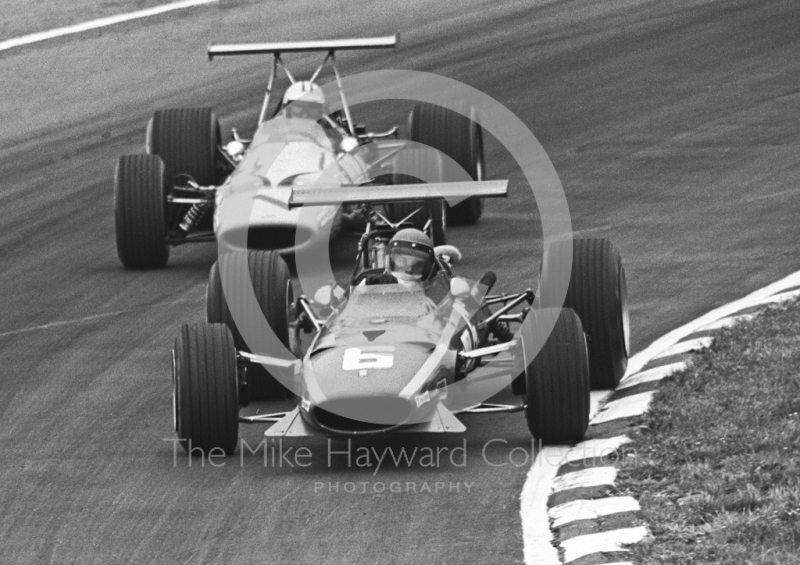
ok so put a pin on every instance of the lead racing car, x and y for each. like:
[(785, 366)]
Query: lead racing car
[(175, 192), (408, 346)]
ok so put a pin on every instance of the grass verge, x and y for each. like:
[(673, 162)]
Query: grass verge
[(717, 469)]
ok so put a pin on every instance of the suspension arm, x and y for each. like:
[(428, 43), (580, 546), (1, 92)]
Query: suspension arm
[(526, 296)]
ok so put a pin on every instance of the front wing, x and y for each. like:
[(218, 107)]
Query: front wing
[(293, 425)]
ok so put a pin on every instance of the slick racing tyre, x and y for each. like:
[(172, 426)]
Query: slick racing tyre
[(598, 293), (139, 212), (419, 165), (557, 378), (271, 284), (461, 139), (186, 139), (205, 404)]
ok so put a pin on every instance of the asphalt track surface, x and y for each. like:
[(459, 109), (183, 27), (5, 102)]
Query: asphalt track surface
[(672, 126)]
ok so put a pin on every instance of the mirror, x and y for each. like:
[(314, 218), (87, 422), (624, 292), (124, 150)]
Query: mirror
[(234, 148), (324, 295), (348, 144), (459, 288), (329, 295), (449, 253)]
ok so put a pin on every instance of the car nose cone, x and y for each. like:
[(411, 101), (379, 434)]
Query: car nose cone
[(361, 414)]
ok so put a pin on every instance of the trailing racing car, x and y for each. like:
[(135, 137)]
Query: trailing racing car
[(408, 345), (174, 193)]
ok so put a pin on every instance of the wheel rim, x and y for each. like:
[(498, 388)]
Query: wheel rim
[(469, 339), (174, 394), (478, 158), (625, 314), (293, 330), (216, 141), (479, 171)]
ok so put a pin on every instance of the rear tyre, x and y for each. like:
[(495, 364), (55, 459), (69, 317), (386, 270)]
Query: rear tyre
[(598, 292), (205, 403), (557, 378), (419, 165), (139, 206), (461, 139), (271, 283)]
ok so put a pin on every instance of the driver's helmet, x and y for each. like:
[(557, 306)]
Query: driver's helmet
[(305, 97), (410, 255)]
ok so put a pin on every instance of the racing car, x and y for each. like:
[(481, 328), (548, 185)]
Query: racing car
[(398, 352), (173, 194)]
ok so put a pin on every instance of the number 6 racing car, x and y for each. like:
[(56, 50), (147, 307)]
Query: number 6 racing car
[(402, 355)]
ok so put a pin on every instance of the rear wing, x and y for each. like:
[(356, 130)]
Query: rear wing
[(224, 50), (276, 49), (450, 191)]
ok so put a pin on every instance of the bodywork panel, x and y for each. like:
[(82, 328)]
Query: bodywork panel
[(252, 207)]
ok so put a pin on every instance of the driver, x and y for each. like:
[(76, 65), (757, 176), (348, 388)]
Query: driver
[(304, 99), (409, 258)]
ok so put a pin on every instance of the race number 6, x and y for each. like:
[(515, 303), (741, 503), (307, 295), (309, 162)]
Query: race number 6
[(369, 357)]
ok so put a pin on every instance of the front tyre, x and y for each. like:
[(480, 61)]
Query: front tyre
[(139, 208), (205, 402), (266, 274), (598, 292), (557, 377), (186, 139)]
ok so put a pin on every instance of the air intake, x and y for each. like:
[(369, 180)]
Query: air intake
[(362, 415), (272, 238)]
